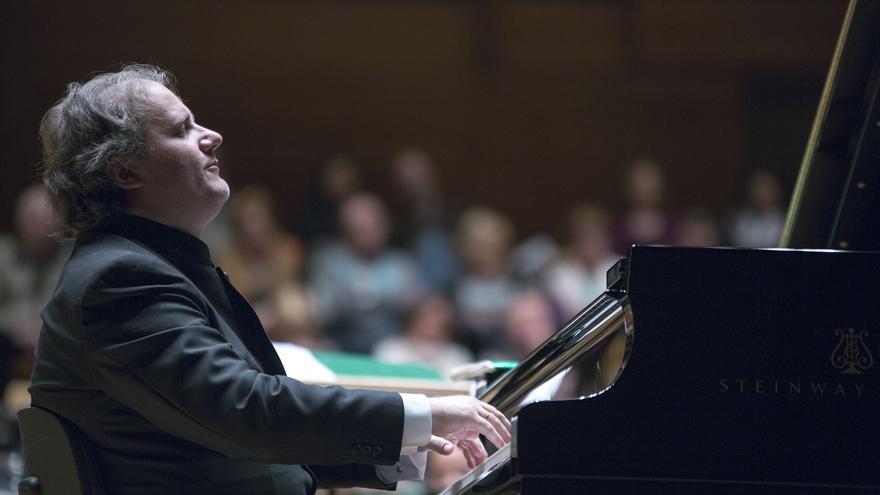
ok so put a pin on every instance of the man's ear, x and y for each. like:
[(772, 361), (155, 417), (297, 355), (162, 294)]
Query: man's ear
[(123, 175)]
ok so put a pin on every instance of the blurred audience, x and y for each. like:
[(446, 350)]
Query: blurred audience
[(265, 264), (698, 228), (645, 221), (423, 218), (428, 338), (578, 276), (528, 322), (293, 319), (759, 222), (424, 286), (531, 258), (485, 288), (338, 179), (362, 286), (261, 257), (30, 263)]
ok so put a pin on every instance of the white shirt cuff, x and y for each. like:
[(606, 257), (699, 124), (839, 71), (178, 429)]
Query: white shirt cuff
[(416, 423), (408, 468)]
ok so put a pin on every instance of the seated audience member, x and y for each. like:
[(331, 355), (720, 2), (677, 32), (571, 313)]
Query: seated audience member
[(362, 286), (261, 258), (485, 288), (698, 228), (528, 323), (423, 218), (265, 265), (317, 222), (148, 349), (293, 319), (30, 261), (578, 276), (759, 222), (428, 338), (645, 220)]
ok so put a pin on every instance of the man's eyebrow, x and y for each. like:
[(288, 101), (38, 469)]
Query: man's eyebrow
[(181, 120)]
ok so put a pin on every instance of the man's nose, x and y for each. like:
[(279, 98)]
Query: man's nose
[(210, 141)]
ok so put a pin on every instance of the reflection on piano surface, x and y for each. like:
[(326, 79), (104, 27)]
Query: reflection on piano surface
[(732, 381), (725, 371)]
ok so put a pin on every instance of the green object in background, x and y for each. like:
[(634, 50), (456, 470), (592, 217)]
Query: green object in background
[(352, 364), (499, 368), (503, 365)]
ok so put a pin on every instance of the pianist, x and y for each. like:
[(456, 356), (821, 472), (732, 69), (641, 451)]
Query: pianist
[(148, 349)]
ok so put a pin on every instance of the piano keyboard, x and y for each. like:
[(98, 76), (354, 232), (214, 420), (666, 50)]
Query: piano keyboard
[(476, 474)]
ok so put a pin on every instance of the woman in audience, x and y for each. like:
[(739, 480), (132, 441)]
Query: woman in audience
[(578, 276), (428, 338), (645, 220), (759, 222)]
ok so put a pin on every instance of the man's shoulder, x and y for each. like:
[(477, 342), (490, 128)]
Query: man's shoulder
[(97, 254)]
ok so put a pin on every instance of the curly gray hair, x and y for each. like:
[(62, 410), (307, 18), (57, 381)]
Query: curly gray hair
[(95, 123)]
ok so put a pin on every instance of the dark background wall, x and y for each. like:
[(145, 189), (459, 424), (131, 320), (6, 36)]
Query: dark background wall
[(527, 106)]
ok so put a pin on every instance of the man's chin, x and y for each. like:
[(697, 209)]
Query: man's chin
[(222, 191)]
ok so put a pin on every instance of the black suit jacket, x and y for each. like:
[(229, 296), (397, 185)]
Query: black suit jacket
[(166, 369)]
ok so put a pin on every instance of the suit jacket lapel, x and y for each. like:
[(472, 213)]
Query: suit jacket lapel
[(250, 330)]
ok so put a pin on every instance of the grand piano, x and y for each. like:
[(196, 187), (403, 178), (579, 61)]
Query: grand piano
[(725, 371)]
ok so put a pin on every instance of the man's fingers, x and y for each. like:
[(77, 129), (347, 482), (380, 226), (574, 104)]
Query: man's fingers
[(468, 456), (499, 415), (488, 430), (439, 445), (499, 425), (476, 449)]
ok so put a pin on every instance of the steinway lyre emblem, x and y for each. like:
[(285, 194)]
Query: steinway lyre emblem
[(851, 355)]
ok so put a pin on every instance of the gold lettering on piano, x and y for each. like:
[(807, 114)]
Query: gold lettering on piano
[(764, 386)]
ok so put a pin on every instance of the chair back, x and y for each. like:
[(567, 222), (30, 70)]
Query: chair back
[(56, 456)]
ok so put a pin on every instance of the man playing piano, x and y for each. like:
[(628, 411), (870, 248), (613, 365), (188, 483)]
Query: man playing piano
[(148, 349)]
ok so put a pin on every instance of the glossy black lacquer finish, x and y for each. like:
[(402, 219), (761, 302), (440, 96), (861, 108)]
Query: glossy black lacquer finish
[(751, 371)]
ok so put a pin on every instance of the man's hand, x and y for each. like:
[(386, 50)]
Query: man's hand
[(459, 421)]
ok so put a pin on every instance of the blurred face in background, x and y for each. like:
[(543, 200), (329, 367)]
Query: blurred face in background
[(340, 178), (414, 174), (483, 240), (33, 220), (764, 193), (698, 229), (591, 238), (431, 320), (254, 226), (485, 252), (529, 322), (645, 184), (364, 224)]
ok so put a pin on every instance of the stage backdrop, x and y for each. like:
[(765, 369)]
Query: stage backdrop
[(527, 106)]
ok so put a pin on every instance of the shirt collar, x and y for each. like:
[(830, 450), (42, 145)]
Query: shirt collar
[(169, 242)]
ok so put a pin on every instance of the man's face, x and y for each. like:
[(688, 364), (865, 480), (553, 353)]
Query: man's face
[(180, 173)]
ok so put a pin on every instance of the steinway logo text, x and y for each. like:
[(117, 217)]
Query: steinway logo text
[(851, 355), (791, 387)]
